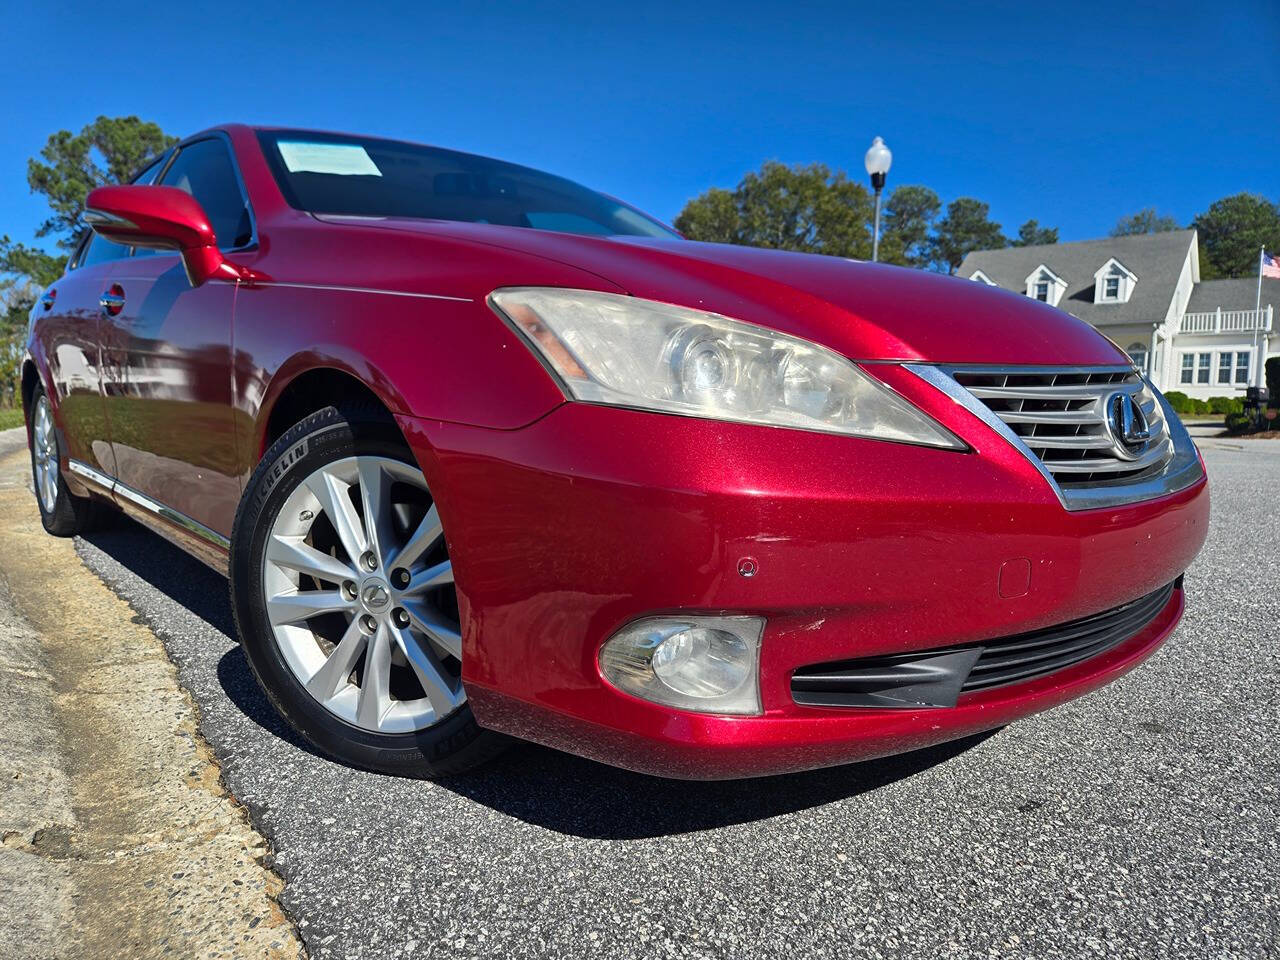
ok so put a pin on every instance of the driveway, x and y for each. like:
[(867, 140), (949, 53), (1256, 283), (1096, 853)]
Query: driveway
[(1137, 822)]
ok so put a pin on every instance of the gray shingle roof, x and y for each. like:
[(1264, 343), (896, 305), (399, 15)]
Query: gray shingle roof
[(1240, 294), (1155, 258)]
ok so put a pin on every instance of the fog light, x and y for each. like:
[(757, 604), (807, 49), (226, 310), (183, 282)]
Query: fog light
[(705, 664)]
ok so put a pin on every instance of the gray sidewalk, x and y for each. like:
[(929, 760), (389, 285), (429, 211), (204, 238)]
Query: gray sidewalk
[(119, 839)]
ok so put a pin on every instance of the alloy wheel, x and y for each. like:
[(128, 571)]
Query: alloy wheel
[(360, 596), (44, 447)]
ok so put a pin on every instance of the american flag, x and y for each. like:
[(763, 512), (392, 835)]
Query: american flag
[(1270, 266)]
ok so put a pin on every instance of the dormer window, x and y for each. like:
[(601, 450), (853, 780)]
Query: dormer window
[(981, 277), (1045, 285), (1113, 283)]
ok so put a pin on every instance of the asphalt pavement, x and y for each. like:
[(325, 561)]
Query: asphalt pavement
[(1139, 821)]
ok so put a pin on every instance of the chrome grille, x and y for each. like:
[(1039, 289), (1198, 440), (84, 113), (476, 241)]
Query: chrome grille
[(1062, 417)]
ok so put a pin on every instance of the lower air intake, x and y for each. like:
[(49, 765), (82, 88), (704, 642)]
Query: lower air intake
[(936, 678)]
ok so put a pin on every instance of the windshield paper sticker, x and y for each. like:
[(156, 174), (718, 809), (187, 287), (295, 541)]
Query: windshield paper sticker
[(343, 159)]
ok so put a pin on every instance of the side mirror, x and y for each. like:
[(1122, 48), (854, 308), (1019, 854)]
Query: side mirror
[(161, 218)]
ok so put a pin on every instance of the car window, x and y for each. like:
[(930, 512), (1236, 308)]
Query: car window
[(204, 170), (145, 179), (148, 176), (565, 223), (100, 250), (327, 173), (82, 244)]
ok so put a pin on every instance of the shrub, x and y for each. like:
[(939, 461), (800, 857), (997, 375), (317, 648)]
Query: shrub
[(1239, 423), (1226, 405), (1198, 407), (1180, 402)]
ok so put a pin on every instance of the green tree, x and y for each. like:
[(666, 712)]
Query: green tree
[(1233, 230), (109, 150), (1146, 220), (23, 263), (909, 213), (1207, 270), (712, 217), (966, 227), (803, 208), (1031, 234)]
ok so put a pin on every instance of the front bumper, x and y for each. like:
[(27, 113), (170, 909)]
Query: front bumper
[(565, 530)]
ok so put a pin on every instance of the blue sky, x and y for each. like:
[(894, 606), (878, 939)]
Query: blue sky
[(1073, 114)]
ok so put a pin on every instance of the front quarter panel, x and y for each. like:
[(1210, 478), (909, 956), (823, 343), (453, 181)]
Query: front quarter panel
[(405, 315), (446, 360)]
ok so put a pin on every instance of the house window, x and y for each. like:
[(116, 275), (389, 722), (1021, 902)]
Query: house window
[(1224, 367), (1113, 283), (1138, 354), (1233, 367), (1203, 362), (1042, 291), (1242, 366), (1188, 368)]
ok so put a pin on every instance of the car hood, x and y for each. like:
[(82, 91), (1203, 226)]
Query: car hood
[(865, 311)]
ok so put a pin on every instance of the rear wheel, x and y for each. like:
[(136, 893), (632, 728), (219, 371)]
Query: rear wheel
[(61, 512), (344, 599)]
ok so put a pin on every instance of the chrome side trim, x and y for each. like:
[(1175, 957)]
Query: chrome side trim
[(173, 516), (340, 289), (93, 476), (1182, 470), (113, 486)]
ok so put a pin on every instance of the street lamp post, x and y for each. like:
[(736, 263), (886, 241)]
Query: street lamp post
[(877, 160)]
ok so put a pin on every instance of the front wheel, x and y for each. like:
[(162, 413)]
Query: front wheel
[(343, 595)]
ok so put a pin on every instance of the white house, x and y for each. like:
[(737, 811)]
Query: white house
[(1144, 292)]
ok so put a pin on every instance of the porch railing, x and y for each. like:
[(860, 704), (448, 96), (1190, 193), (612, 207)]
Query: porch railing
[(1227, 321)]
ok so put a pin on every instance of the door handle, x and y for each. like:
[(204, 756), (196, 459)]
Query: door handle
[(112, 300)]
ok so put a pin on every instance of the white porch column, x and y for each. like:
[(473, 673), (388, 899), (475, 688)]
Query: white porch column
[(1167, 361), (1266, 345)]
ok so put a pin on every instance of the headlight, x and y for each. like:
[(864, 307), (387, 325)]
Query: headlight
[(627, 352)]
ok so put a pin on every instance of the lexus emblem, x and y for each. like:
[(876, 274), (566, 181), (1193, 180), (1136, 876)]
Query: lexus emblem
[(376, 597), (1127, 424)]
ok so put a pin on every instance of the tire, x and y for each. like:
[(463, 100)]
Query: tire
[(367, 671), (62, 513)]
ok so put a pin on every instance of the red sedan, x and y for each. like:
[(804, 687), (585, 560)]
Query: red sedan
[(484, 452)]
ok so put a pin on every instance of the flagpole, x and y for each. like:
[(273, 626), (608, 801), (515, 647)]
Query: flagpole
[(1260, 363)]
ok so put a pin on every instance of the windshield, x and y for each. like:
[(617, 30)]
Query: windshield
[(366, 177)]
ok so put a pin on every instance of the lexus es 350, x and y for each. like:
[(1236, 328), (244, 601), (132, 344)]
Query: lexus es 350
[(486, 453)]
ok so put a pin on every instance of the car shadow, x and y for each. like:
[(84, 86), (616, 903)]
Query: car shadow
[(583, 798), (172, 571), (543, 787)]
